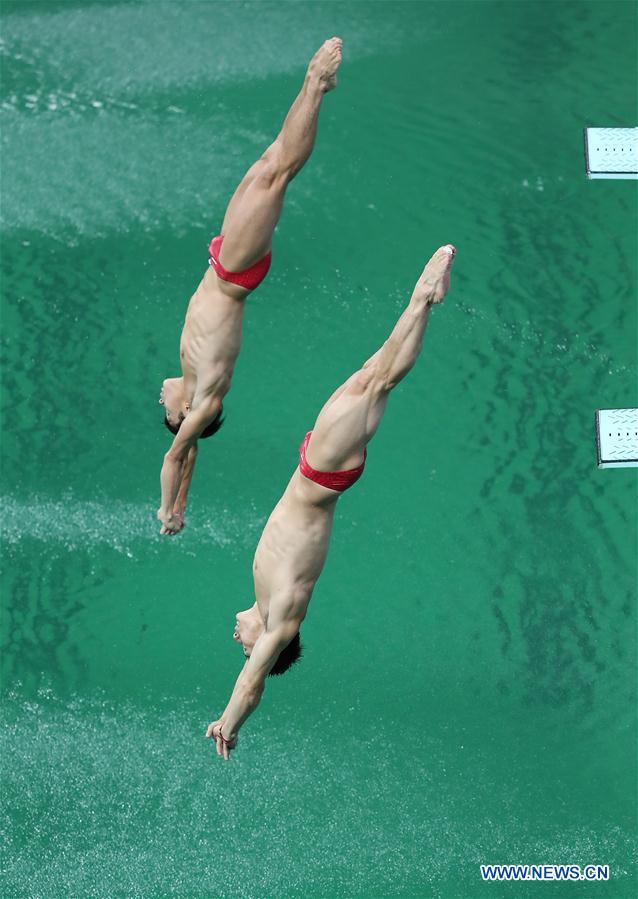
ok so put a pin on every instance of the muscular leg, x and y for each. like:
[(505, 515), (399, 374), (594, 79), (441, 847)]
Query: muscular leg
[(350, 418), (255, 207)]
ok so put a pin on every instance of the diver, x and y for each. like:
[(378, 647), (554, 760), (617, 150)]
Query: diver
[(293, 547), (239, 261)]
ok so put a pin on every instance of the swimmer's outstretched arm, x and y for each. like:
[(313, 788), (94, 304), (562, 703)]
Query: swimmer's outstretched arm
[(179, 506), (176, 462), (249, 686)]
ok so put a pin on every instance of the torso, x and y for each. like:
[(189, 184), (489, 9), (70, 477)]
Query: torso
[(211, 337), (293, 547)]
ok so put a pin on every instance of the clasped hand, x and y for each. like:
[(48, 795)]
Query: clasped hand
[(171, 524), (223, 743)]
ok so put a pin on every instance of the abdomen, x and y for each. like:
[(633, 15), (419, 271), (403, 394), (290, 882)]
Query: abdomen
[(294, 544)]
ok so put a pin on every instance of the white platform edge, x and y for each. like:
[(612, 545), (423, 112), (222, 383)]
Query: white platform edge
[(626, 176), (595, 169), (624, 449)]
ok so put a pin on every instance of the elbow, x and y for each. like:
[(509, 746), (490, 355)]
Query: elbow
[(367, 378), (382, 379), (253, 698), (173, 457)]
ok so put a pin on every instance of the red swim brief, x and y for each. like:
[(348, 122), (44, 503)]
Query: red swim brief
[(250, 278), (335, 480)]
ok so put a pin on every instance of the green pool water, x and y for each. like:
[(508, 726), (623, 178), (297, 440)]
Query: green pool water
[(467, 693)]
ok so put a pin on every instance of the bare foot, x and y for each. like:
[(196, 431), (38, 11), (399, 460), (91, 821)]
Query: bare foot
[(434, 283), (324, 64)]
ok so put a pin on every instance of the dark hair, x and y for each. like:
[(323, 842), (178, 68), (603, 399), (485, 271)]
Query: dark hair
[(287, 657), (214, 426), (208, 431), (172, 428)]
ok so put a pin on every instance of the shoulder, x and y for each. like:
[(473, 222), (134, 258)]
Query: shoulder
[(287, 611), (195, 422), (207, 404)]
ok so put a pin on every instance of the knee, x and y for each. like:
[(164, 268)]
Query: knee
[(362, 380), (271, 168)]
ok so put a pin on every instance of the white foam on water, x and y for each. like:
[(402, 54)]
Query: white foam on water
[(104, 799), (65, 167), (80, 524), (95, 133), (142, 47)]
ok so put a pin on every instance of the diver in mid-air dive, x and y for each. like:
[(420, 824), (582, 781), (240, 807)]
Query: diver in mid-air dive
[(239, 261), (294, 544)]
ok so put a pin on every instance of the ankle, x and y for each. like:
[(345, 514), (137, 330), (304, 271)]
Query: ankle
[(313, 85)]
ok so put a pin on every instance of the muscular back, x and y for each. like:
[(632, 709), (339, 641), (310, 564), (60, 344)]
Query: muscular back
[(211, 337), (293, 546)]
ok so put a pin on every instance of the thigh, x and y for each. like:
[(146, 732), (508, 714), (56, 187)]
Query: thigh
[(235, 200), (252, 215), (347, 423)]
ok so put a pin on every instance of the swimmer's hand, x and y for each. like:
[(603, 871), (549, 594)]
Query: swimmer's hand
[(224, 742), (171, 524), (178, 518)]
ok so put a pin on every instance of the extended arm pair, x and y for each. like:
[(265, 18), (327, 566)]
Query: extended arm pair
[(179, 463)]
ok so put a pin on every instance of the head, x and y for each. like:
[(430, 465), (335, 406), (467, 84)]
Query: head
[(176, 408), (249, 626)]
